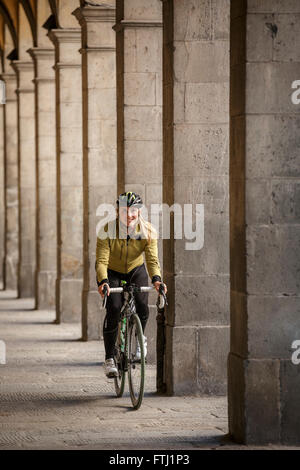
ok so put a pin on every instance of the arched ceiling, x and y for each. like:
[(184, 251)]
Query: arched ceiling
[(53, 6), (9, 15), (30, 10), (1, 33), (54, 10)]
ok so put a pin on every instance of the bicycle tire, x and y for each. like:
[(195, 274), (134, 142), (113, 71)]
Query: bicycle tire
[(136, 369), (120, 362)]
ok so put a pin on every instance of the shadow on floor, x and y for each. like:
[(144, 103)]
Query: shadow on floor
[(80, 364), (58, 340), (29, 322)]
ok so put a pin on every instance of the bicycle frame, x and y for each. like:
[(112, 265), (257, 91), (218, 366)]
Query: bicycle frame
[(125, 315), (124, 358), (128, 309)]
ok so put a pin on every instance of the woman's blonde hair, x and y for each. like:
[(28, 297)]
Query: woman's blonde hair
[(147, 229)]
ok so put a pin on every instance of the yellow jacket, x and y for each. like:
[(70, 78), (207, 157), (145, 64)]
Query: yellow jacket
[(122, 255)]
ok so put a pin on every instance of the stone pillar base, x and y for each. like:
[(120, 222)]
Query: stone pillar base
[(2, 282), (262, 398), (198, 359), (253, 405), (46, 290), (11, 267), (150, 333), (93, 315), (70, 304), (27, 281)]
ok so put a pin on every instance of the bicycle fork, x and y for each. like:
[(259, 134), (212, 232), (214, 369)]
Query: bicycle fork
[(124, 342)]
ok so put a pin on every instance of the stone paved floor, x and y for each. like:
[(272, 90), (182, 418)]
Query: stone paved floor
[(54, 395)]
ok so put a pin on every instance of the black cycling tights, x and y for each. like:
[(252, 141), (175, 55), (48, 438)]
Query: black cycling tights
[(114, 304)]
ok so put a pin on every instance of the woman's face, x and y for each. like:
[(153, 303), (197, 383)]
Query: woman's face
[(128, 215)]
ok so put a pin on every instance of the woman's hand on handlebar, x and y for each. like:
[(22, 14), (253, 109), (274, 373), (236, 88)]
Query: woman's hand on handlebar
[(157, 284), (101, 289)]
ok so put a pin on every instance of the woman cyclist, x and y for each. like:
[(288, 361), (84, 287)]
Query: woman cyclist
[(119, 256)]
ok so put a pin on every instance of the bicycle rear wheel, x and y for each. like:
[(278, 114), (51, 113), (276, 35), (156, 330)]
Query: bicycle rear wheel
[(119, 358), (136, 368)]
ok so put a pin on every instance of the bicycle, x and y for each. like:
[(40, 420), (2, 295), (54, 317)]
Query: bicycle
[(129, 333)]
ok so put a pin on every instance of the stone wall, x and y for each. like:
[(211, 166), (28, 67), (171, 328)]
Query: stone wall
[(99, 145), (27, 176), (264, 193), (12, 183), (2, 200), (196, 171), (139, 92), (69, 190), (156, 97), (45, 176)]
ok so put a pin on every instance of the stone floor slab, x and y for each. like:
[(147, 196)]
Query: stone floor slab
[(54, 395)]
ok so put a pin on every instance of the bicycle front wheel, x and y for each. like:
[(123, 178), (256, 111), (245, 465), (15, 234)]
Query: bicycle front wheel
[(136, 368)]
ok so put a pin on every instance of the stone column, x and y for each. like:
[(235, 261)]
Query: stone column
[(99, 144), (12, 184), (195, 170), (27, 172), (139, 91), (2, 199), (46, 177), (263, 364), (69, 173)]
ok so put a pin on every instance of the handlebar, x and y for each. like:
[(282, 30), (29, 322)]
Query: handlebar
[(115, 290), (119, 290)]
